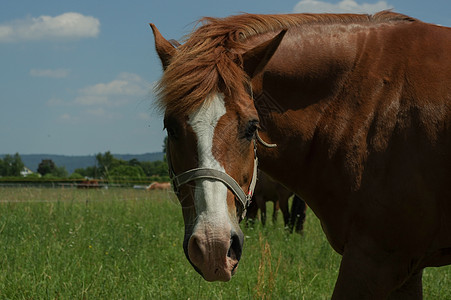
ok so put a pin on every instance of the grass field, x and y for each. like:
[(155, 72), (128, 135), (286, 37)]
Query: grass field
[(127, 244)]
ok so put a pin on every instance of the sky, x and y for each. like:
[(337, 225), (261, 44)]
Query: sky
[(76, 77)]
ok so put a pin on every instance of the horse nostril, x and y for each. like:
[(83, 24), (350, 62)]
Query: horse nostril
[(195, 250), (235, 247)]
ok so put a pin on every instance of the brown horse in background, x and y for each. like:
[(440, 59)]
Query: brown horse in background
[(360, 109), (159, 186), (268, 190)]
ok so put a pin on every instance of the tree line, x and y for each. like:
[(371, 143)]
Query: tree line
[(107, 167)]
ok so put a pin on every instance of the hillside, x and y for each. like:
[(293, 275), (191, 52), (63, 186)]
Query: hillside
[(71, 163)]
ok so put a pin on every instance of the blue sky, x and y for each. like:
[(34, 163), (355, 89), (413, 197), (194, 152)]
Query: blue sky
[(76, 76)]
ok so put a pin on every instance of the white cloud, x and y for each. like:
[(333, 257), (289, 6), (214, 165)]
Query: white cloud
[(55, 102), (143, 116), (55, 73), (104, 102), (68, 118), (91, 100), (98, 112), (125, 88), (126, 84), (344, 6), (101, 114), (65, 26)]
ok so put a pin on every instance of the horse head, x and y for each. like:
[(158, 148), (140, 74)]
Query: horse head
[(212, 125)]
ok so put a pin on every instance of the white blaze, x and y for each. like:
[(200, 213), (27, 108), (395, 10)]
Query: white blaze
[(210, 195)]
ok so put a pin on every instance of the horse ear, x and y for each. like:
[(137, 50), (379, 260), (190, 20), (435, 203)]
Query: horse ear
[(255, 60), (164, 48)]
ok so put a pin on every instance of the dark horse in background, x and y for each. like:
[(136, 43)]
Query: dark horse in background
[(360, 109), (269, 190)]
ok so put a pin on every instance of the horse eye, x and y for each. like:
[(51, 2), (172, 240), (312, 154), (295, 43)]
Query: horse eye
[(171, 132), (251, 128), (172, 127)]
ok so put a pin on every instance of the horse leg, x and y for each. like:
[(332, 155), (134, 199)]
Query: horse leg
[(262, 205), (294, 214), (284, 208), (297, 218), (251, 213), (275, 212), (367, 274)]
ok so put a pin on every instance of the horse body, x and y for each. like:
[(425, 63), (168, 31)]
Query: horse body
[(379, 137), (373, 150), (360, 108)]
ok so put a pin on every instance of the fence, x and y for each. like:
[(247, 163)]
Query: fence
[(80, 183)]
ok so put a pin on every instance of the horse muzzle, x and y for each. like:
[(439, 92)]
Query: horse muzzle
[(214, 253)]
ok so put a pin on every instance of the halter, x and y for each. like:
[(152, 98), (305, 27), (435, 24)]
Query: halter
[(208, 173)]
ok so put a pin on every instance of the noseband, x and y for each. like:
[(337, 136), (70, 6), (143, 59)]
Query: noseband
[(244, 199)]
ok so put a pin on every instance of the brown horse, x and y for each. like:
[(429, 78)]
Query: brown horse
[(89, 184), (360, 109), (267, 190), (159, 186)]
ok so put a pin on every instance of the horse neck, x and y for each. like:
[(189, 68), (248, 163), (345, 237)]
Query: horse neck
[(302, 82)]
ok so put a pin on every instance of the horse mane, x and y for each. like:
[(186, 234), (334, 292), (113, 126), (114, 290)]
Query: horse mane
[(209, 59)]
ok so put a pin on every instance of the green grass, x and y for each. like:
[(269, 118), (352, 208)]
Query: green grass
[(127, 244)]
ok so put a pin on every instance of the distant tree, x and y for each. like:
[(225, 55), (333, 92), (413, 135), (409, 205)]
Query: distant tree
[(127, 173), (6, 165), (91, 172), (146, 166), (151, 168), (81, 171), (17, 165), (104, 161), (48, 169), (133, 162), (161, 168), (60, 172), (76, 175), (11, 165), (46, 166), (107, 162), (49, 176), (33, 175)]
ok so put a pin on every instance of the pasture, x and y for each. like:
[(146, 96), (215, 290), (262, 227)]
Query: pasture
[(127, 244)]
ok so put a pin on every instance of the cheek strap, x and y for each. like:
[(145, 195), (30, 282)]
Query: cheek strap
[(213, 174), (208, 173)]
